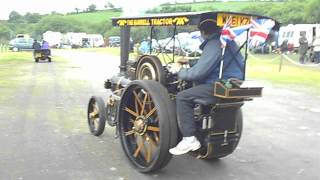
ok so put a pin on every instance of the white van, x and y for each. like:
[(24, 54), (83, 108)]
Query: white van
[(292, 33), (75, 39), (53, 38), (93, 40)]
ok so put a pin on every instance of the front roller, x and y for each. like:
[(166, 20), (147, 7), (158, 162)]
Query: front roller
[(96, 115), (147, 125)]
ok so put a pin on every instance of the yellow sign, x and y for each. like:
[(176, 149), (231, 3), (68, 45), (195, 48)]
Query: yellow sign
[(236, 20), (179, 21)]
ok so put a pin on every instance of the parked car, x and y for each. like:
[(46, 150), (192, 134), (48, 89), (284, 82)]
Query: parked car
[(18, 44), (22, 36), (114, 41)]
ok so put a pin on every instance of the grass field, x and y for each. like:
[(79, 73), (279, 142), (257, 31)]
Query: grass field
[(13, 68), (94, 17), (267, 67), (221, 6), (102, 16), (15, 65), (7, 58)]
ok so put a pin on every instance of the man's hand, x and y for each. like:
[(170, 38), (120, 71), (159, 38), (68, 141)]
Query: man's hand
[(174, 68)]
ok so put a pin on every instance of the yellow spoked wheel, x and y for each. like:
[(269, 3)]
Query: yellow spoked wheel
[(147, 125), (96, 115)]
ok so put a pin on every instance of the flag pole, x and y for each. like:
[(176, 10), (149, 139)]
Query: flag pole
[(246, 56), (221, 63), (223, 47)]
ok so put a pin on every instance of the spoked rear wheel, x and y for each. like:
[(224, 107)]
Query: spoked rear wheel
[(147, 125), (96, 115)]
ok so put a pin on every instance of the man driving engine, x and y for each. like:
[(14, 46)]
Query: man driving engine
[(204, 73)]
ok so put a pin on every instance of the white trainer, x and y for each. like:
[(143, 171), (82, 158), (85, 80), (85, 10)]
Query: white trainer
[(187, 144)]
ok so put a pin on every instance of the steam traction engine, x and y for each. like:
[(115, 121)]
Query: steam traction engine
[(141, 101)]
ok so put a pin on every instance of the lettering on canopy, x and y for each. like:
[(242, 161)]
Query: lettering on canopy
[(237, 20), (166, 21)]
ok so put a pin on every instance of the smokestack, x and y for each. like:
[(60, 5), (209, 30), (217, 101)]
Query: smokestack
[(124, 49)]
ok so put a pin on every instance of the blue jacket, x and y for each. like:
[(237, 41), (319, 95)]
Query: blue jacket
[(45, 45), (206, 70)]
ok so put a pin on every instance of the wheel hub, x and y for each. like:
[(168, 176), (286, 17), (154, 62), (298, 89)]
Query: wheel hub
[(145, 77), (139, 125), (147, 72)]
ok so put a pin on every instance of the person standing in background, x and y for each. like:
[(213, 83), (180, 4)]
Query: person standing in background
[(316, 49), (284, 47), (303, 48)]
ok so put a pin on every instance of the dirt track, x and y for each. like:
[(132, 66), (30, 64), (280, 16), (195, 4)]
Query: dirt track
[(44, 134)]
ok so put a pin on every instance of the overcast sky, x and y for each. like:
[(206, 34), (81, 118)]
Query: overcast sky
[(63, 6)]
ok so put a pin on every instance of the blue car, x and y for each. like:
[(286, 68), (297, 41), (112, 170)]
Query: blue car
[(19, 44)]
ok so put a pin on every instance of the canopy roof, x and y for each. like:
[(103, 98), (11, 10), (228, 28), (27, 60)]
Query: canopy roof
[(189, 18)]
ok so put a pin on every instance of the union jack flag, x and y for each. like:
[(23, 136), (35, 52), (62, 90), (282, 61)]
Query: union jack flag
[(260, 31), (229, 34)]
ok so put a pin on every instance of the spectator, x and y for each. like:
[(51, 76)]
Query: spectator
[(144, 47), (316, 49), (45, 45), (284, 46), (303, 49), (36, 45)]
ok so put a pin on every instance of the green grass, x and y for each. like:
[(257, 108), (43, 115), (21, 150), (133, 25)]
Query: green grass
[(13, 57), (221, 6), (105, 15), (94, 17), (14, 67), (266, 67)]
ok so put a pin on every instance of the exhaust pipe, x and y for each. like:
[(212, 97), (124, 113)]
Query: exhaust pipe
[(124, 49)]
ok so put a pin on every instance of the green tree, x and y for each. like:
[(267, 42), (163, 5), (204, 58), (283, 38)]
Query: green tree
[(92, 8), (15, 17), (113, 31), (111, 6), (32, 17), (140, 33), (58, 23), (288, 13), (313, 12), (5, 33), (77, 10), (170, 9)]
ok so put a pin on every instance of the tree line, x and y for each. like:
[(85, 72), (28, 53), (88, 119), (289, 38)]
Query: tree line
[(289, 12), (35, 24)]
